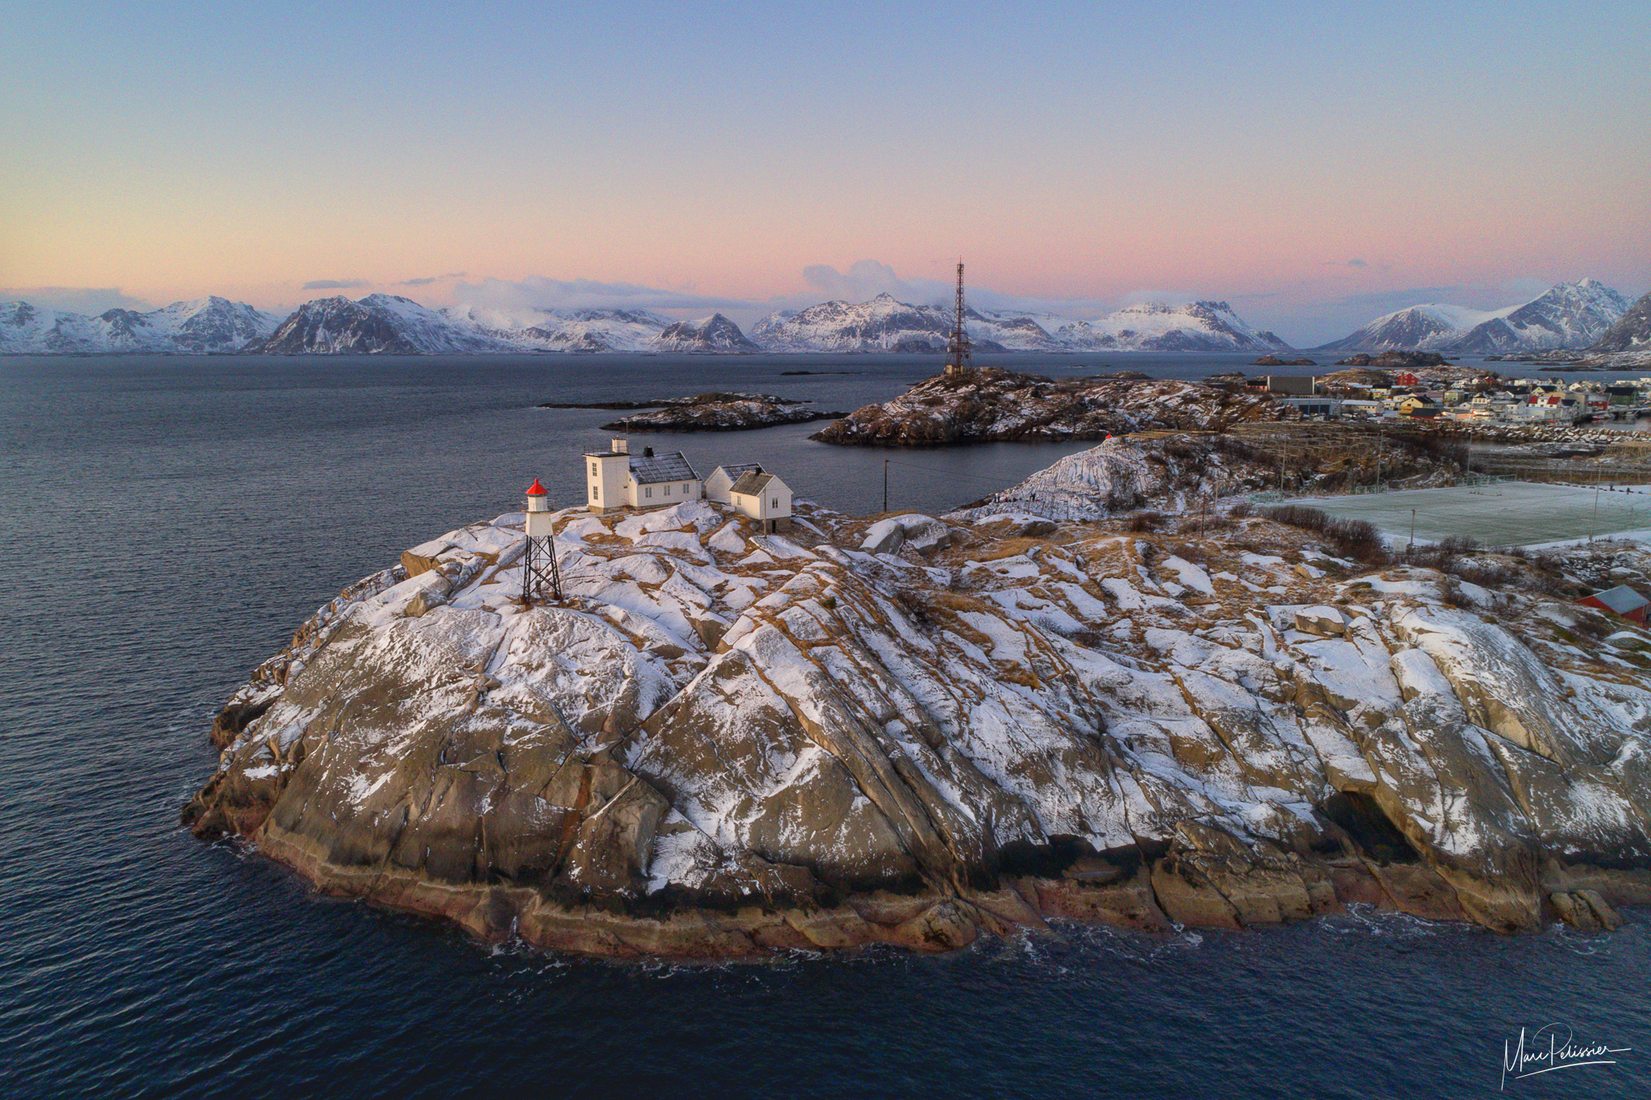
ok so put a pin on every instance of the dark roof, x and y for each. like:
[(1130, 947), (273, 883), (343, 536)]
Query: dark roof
[(751, 483), (734, 471), (647, 469), (1621, 599)]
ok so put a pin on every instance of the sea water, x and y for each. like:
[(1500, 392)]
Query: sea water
[(165, 523)]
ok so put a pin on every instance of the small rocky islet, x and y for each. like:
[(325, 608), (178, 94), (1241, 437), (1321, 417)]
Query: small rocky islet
[(917, 729), (988, 404), (706, 412)]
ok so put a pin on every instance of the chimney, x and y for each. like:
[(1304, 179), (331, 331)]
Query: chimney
[(647, 452), (620, 446)]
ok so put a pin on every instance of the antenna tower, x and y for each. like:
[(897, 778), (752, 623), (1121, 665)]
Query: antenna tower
[(958, 346)]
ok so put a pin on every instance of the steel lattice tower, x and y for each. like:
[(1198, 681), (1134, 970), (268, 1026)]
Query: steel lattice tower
[(958, 346)]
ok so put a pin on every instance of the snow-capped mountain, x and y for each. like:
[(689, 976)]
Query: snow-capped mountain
[(1570, 315), (1630, 332), (882, 324), (191, 328), (385, 324), (575, 330), (379, 324), (1431, 327), (713, 335), (1155, 326), (887, 324), (1566, 315)]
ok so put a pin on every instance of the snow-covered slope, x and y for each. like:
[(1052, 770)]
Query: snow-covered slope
[(1566, 315), (882, 324), (1155, 326), (725, 742), (577, 330), (377, 324), (1630, 332), (1431, 327), (205, 325), (886, 324), (1570, 315), (713, 335)]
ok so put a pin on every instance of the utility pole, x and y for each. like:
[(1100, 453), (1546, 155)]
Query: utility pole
[(885, 485), (1378, 456), (1411, 549)]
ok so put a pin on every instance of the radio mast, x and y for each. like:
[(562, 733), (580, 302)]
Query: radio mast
[(958, 347)]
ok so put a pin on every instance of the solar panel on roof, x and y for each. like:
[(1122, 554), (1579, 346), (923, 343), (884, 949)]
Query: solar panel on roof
[(649, 469)]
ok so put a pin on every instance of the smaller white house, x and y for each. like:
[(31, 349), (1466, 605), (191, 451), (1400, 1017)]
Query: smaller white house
[(615, 478), (763, 497), (723, 477)]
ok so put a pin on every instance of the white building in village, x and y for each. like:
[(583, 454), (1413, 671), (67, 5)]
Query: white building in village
[(763, 497), (616, 478)]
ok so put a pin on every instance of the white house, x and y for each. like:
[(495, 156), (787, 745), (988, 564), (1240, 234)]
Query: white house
[(615, 478), (763, 497), (723, 477)]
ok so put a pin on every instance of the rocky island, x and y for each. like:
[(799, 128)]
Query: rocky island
[(1394, 360), (990, 405), (914, 730), (708, 412)]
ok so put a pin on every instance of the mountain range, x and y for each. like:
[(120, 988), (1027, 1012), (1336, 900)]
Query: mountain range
[(385, 324), (1568, 315), (199, 327)]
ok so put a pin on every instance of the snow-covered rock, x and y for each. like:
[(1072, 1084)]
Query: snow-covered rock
[(990, 404), (917, 531), (727, 743)]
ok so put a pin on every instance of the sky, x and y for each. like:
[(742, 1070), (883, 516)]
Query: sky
[(1314, 164)]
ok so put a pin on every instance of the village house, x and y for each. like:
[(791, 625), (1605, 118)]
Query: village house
[(1621, 601), (763, 497), (616, 478), (723, 477), (1417, 405)]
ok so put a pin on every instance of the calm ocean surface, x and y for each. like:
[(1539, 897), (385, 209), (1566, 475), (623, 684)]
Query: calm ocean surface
[(166, 523)]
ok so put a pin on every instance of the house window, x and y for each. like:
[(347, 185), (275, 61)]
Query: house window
[(774, 503), (667, 490), (595, 492), (593, 469), (648, 492)]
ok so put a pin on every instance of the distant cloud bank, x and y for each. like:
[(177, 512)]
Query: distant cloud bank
[(75, 299)]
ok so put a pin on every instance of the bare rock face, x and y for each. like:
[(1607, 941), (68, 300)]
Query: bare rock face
[(726, 744)]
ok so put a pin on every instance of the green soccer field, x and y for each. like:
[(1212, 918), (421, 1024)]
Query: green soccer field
[(1510, 513)]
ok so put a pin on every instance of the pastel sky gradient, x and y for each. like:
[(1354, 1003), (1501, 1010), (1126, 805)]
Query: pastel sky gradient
[(1308, 162)]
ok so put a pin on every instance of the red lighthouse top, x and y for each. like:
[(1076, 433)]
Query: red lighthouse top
[(537, 490)]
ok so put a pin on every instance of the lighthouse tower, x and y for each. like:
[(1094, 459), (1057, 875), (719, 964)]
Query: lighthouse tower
[(541, 574)]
